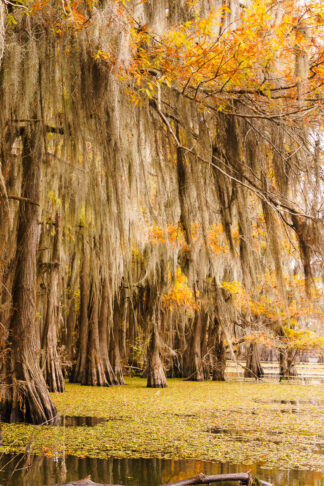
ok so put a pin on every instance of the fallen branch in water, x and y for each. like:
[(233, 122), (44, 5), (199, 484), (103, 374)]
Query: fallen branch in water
[(244, 478)]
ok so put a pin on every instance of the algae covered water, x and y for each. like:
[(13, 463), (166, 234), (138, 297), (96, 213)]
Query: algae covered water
[(275, 431)]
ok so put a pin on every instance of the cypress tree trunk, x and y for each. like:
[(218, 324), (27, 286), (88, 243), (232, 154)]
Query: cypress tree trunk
[(253, 364), (203, 346), (95, 375), (8, 239), (219, 364), (194, 369), (283, 365), (176, 368), (4, 214), (79, 373), (115, 356), (156, 377), (291, 361), (132, 327), (71, 315), (70, 326), (53, 369), (89, 369), (287, 367), (4, 218), (26, 398), (103, 333), (114, 342)]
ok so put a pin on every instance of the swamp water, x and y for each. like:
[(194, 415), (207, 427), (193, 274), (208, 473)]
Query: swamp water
[(40, 470), (256, 422)]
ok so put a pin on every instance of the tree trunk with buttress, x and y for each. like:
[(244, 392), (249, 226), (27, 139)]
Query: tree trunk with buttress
[(287, 368), (253, 368), (25, 396), (104, 335), (95, 375), (156, 376)]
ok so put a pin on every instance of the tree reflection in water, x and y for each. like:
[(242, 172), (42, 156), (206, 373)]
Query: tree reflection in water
[(41, 470)]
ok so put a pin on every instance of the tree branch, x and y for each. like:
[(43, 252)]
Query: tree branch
[(243, 478), (24, 199)]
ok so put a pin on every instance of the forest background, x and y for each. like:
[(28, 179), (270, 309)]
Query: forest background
[(161, 196)]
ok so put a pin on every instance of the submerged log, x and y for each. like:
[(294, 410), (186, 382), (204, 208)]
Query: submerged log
[(243, 478)]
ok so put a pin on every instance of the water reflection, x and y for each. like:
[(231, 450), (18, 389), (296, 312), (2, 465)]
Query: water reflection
[(313, 401), (79, 421), (249, 436), (274, 377), (40, 470), (239, 436)]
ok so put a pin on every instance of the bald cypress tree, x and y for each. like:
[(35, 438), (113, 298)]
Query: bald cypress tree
[(170, 160)]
